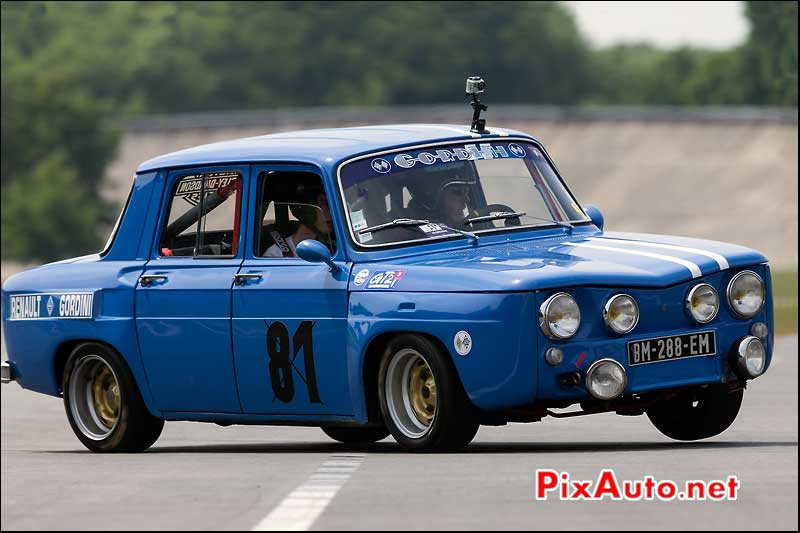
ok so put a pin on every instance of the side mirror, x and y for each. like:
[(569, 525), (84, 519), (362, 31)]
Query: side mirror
[(595, 216), (316, 252)]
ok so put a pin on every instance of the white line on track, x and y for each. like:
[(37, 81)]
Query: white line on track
[(301, 508)]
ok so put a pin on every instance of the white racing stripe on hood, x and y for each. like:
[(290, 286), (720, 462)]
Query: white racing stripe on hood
[(693, 267), (721, 261)]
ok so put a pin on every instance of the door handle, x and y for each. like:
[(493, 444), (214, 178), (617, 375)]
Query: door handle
[(148, 279), (241, 279)]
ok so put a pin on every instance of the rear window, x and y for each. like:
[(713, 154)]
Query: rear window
[(203, 216)]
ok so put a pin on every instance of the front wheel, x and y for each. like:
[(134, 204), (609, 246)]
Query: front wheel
[(422, 400), (697, 414), (103, 403)]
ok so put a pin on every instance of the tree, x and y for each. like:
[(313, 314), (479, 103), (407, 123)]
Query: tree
[(770, 53)]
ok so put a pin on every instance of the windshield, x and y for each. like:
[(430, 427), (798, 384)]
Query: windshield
[(476, 187)]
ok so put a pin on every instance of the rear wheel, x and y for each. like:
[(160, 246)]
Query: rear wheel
[(103, 403), (697, 414), (356, 435), (422, 400)]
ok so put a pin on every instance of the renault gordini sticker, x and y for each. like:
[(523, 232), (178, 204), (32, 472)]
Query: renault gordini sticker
[(51, 305)]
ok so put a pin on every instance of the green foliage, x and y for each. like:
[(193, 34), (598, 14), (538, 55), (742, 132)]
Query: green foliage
[(762, 71), (770, 55), (50, 214), (69, 66), (784, 291)]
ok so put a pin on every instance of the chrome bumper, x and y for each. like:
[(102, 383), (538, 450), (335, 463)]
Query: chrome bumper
[(6, 375)]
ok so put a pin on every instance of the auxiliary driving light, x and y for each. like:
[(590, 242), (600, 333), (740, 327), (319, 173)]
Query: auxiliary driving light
[(702, 302), (606, 379), (621, 313), (746, 294), (751, 357)]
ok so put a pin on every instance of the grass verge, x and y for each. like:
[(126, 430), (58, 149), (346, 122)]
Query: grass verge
[(784, 290)]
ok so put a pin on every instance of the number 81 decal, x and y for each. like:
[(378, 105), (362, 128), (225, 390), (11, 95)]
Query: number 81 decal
[(282, 356)]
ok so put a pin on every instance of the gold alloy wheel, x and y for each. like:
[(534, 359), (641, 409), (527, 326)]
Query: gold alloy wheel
[(94, 398), (422, 391), (105, 396), (410, 393)]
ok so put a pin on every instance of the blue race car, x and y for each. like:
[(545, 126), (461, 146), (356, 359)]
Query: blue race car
[(418, 280)]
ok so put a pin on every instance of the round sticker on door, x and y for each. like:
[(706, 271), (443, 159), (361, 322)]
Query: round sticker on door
[(361, 277), (462, 343)]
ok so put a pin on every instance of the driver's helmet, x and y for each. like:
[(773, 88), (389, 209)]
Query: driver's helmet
[(304, 200), (427, 192)]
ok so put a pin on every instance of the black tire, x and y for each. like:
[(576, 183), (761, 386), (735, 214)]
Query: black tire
[(356, 435), (697, 414), (455, 420), (134, 428)]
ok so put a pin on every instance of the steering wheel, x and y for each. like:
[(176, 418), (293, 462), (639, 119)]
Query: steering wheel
[(497, 208)]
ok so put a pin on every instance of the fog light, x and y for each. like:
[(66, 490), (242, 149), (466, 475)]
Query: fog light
[(606, 379), (554, 356), (760, 330), (751, 357)]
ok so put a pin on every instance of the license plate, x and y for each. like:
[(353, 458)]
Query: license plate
[(673, 347)]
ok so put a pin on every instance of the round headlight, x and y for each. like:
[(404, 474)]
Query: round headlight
[(621, 313), (746, 294), (560, 316), (606, 379), (751, 357), (702, 302)]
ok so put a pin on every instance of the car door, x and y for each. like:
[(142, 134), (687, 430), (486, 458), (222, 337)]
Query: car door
[(183, 299), (289, 315)]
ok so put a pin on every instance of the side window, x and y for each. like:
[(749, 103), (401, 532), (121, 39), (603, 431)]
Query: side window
[(293, 207), (203, 216)]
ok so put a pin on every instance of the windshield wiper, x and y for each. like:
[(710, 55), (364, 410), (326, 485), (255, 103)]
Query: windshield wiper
[(502, 215), (403, 222), (516, 214)]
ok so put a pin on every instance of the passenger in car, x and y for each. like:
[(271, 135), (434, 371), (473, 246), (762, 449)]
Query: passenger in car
[(315, 223)]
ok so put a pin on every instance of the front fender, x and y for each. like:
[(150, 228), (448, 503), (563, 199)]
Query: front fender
[(500, 370)]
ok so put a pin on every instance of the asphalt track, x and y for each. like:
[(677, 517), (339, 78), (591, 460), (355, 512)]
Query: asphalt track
[(200, 476)]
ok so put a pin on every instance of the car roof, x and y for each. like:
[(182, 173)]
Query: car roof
[(324, 147)]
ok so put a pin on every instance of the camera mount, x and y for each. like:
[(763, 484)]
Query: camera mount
[(475, 86)]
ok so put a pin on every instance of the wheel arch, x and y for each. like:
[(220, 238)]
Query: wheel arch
[(375, 349), (66, 348)]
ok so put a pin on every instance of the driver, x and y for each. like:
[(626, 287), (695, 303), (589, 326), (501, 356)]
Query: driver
[(315, 223), (443, 200)]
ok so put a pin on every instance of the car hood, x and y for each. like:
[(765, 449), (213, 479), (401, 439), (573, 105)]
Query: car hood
[(593, 258)]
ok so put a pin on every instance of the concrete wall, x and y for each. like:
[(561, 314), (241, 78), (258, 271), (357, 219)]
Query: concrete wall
[(720, 174)]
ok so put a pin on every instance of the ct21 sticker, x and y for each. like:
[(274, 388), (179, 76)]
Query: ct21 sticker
[(46, 305), (387, 279), (361, 277), (462, 343)]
